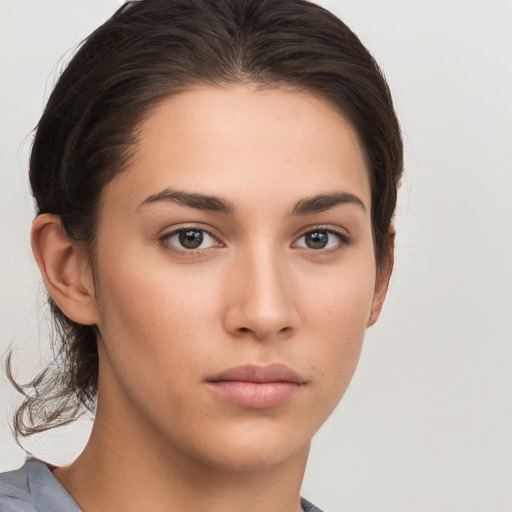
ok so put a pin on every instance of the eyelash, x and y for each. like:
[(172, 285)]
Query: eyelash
[(342, 240), (165, 240)]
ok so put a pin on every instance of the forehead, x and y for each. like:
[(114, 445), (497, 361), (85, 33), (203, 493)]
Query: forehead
[(245, 143)]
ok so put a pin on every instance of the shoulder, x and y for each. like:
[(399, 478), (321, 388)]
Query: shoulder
[(33, 488), (308, 507), (15, 491)]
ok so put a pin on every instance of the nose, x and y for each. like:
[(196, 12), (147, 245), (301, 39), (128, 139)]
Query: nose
[(260, 298)]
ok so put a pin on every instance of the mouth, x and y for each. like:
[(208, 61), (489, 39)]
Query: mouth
[(257, 387)]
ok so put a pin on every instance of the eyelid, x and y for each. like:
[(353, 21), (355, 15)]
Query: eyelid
[(344, 238), (343, 233), (167, 233)]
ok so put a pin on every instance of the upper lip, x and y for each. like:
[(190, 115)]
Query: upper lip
[(275, 372)]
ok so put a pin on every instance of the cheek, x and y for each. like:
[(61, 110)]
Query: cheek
[(153, 315), (337, 316), (342, 299)]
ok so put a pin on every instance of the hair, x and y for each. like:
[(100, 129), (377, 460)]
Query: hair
[(148, 51)]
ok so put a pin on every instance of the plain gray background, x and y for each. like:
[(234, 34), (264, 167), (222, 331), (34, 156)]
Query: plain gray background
[(426, 424)]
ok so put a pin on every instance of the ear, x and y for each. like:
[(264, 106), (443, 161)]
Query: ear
[(382, 281), (64, 268)]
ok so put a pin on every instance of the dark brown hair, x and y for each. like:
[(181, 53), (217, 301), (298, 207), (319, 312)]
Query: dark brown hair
[(148, 51)]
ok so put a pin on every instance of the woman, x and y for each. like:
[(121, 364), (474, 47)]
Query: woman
[(215, 183)]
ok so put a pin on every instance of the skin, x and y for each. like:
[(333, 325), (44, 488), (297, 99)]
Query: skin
[(170, 318)]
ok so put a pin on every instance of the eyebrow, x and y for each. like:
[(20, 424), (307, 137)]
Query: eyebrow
[(308, 205), (324, 202), (192, 200)]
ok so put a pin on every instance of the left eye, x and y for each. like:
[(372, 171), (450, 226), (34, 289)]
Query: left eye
[(190, 239), (320, 239)]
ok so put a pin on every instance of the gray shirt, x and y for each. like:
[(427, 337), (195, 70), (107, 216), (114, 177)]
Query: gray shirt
[(33, 488)]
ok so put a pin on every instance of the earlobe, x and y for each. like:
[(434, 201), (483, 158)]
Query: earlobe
[(382, 281), (64, 269)]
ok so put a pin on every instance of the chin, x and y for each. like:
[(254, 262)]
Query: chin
[(254, 449), (244, 459)]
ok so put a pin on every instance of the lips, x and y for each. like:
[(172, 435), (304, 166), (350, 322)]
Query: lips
[(257, 387)]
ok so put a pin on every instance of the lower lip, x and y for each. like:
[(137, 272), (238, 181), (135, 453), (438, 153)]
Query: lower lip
[(255, 395)]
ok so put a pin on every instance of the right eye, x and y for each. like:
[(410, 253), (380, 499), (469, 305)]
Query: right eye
[(189, 239)]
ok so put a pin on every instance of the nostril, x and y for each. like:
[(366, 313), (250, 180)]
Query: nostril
[(246, 329)]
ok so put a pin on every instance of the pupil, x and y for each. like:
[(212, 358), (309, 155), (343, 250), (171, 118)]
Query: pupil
[(191, 239), (317, 239)]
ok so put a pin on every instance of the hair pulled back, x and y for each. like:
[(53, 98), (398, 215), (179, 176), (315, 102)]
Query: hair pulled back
[(146, 52)]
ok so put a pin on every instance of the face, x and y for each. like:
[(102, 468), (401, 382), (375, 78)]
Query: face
[(234, 275)]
